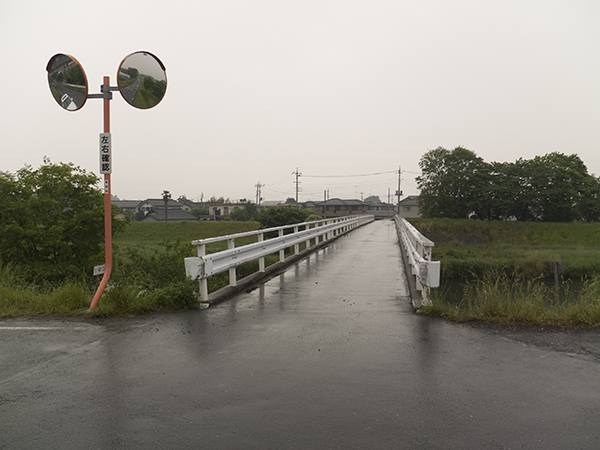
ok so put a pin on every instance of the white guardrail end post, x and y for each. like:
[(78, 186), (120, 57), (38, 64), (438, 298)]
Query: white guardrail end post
[(194, 267), (429, 273), (433, 274)]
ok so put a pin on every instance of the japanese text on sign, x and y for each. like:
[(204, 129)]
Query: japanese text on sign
[(105, 153)]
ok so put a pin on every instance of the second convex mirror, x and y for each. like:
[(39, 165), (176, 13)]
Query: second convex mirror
[(67, 81), (142, 80)]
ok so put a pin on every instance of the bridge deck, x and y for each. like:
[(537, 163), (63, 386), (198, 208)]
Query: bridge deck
[(362, 268)]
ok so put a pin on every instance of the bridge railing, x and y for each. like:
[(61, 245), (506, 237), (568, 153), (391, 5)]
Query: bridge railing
[(422, 272), (310, 233)]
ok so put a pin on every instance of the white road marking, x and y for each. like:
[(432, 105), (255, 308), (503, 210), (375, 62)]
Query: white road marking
[(41, 328)]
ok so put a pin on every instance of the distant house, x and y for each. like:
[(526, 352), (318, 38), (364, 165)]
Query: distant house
[(154, 210), (157, 203), (173, 215), (337, 207), (127, 205), (381, 210), (219, 211), (409, 207), (191, 205)]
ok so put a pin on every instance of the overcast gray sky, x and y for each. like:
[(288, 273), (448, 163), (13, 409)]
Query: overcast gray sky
[(257, 88)]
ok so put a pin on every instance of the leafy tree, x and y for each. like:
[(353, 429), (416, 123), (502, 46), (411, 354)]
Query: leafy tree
[(75, 76), (131, 71), (154, 87), (245, 214), (551, 188), (199, 212), (452, 182), (52, 221), (290, 200), (564, 188), (373, 199), (184, 200)]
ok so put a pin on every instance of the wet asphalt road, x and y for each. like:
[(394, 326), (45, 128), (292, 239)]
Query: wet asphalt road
[(327, 355)]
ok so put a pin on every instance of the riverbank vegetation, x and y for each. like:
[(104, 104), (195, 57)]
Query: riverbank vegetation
[(148, 257), (500, 271), (148, 274)]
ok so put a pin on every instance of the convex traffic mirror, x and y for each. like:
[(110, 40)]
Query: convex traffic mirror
[(67, 81), (142, 80)]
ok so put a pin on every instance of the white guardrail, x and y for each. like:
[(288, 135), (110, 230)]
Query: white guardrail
[(203, 266), (417, 251)]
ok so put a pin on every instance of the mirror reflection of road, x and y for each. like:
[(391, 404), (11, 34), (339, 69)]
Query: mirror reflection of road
[(77, 96), (129, 92), (327, 355)]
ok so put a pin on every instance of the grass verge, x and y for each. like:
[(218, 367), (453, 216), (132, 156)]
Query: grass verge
[(498, 298), (148, 275), (504, 271)]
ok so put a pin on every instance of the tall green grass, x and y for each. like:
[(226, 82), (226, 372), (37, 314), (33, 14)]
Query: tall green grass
[(19, 297), (470, 248), (504, 268), (148, 274), (149, 236), (497, 298)]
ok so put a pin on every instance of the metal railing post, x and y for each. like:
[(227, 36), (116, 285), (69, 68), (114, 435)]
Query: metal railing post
[(232, 271), (261, 261), (297, 246), (203, 281), (282, 251)]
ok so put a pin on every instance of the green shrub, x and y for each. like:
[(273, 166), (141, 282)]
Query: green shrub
[(151, 281), (52, 224)]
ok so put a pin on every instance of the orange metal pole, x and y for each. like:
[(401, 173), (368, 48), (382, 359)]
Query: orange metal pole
[(107, 212)]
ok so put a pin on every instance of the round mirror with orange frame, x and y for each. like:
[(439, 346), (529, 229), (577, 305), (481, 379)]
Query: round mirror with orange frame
[(142, 80), (67, 81)]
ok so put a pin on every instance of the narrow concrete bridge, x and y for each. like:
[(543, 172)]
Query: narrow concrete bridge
[(421, 272), (328, 354)]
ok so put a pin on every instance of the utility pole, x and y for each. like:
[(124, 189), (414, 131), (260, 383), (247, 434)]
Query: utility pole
[(298, 175), (258, 193), (399, 192)]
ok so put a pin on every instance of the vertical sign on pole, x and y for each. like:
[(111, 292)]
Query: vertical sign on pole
[(105, 153)]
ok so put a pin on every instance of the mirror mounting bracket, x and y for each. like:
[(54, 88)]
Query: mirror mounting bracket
[(106, 92)]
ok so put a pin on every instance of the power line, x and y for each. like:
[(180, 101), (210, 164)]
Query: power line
[(286, 178), (350, 176)]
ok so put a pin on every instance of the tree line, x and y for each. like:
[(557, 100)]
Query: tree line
[(554, 187)]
